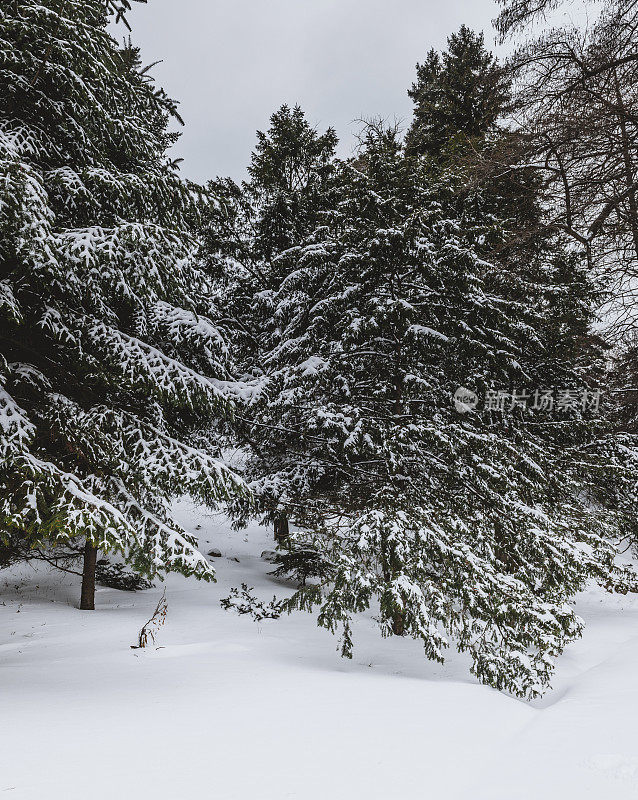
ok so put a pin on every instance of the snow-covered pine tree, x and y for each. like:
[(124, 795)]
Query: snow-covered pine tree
[(288, 172), (461, 99), (251, 233), (109, 366), (471, 528), (461, 128), (469, 146)]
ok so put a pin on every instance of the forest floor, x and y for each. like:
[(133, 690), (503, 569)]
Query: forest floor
[(227, 708)]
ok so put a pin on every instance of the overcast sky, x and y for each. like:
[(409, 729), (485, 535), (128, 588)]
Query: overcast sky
[(231, 63)]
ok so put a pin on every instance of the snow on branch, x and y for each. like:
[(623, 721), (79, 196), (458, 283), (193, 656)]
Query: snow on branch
[(16, 430), (142, 364)]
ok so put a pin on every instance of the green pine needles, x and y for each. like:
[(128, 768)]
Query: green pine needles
[(109, 365)]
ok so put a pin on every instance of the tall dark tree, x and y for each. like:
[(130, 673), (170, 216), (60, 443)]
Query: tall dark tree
[(108, 364), (461, 100), (493, 179), (458, 96), (288, 171)]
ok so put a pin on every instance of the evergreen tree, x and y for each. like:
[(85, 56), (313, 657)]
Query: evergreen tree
[(471, 528), (458, 96), (109, 366), (461, 98), (467, 145), (288, 171), (250, 225), (252, 233)]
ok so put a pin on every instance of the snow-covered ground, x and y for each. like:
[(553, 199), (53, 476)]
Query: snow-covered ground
[(230, 709)]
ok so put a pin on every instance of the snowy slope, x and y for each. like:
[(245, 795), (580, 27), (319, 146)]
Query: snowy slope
[(231, 709)]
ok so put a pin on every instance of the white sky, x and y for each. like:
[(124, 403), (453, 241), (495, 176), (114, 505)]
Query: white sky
[(231, 63)]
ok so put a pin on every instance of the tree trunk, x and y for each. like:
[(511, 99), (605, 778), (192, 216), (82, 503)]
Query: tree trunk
[(398, 623), (87, 600), (397, 620), (626, 146), (282, 529)]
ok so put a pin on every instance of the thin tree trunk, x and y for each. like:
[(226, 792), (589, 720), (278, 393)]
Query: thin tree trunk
[(87, 600), (398, 623), (282, 529), (628, 165)]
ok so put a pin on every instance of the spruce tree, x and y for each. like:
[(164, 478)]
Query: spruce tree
[(458, 96), (467, 145), (288, 171), (109, 367), (249, 225), (466, 528), (252, 233)]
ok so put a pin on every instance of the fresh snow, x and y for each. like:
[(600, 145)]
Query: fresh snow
[(223, 707)]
